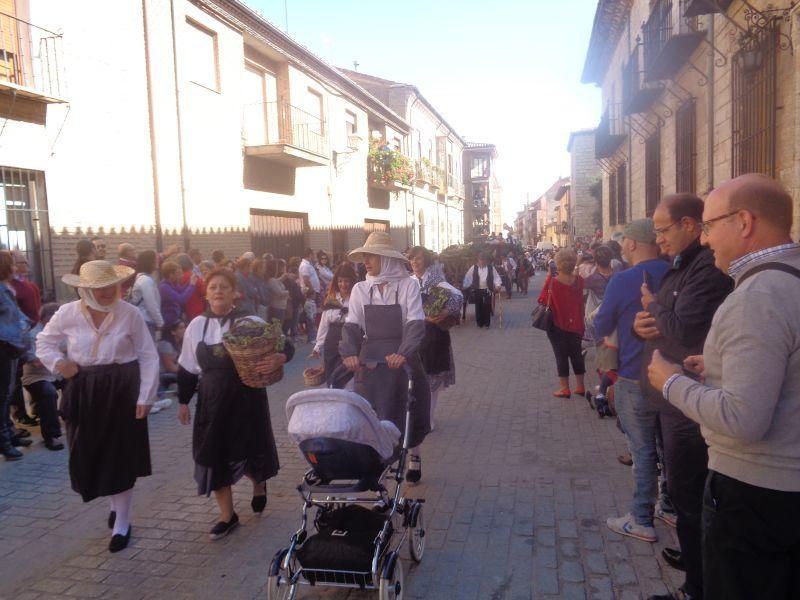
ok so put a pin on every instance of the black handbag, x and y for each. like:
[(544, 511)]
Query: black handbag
[(542, 315)]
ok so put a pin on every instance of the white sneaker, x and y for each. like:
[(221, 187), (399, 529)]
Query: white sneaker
[(668, 517), (627, 526)]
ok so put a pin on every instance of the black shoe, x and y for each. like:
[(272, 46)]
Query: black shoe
[(119, 542), (21, 442), (258, 503), (112, 518), (678, 595), (29, 421), (674, 558), (53, 444), (221, 529), (21, 433), (12, 453), (414, 473)]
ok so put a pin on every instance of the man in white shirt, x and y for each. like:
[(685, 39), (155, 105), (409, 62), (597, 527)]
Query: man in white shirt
[(480, 282), (309, 278)]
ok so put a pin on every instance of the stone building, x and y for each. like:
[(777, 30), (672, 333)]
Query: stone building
[(694, 92), (585, 215), (553, 213), (200, 123)]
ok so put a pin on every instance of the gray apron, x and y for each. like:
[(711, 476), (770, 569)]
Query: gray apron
[(387, 389)]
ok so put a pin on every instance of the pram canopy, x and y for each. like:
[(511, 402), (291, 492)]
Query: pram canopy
[(341, 415)]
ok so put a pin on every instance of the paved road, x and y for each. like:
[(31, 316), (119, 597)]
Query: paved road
[(518, 485)]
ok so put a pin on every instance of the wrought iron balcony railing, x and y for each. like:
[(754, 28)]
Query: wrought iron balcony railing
[(637, 94), (31, 60), (669, 39), (281, 124), (610, 133)]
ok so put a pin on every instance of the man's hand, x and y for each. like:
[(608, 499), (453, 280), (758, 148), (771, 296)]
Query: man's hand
[(351, 362), (66, 368), (644, 324), (184, 414), (395, 361), (647, 296), (142, 410), (660, 370), (314, 354), (695, 364)]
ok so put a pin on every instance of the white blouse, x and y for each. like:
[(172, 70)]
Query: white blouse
[(330, 315), (483, 277), (408, 297), (122, 338), (194, 335)]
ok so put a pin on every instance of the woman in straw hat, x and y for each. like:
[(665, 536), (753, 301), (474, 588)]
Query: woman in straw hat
[(381, 337), (111, 369)]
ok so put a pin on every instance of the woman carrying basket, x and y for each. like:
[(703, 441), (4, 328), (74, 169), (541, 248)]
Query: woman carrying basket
[(381, 338), (232, 433)]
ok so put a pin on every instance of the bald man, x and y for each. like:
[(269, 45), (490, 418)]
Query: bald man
[(744, 391)]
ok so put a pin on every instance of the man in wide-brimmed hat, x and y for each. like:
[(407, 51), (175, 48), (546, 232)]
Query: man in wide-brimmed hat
[(111, 370), (382, 334)]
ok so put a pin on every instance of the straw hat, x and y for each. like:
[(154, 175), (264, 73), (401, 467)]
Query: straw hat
[(380, 243), (97, 274)]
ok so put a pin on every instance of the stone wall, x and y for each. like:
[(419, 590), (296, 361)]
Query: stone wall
[(585, 172)]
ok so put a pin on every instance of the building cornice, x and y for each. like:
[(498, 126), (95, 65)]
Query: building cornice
[(245, 19), (610, 20)]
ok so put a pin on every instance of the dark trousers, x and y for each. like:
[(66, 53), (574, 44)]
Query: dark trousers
[(8, 377), (751, 541), (45, 399), (567, 348), (686, 462), (483, 307)]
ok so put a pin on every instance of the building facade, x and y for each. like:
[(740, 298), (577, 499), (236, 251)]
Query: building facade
[(483, 208), (202, 124), (694, 92), (585, 196)]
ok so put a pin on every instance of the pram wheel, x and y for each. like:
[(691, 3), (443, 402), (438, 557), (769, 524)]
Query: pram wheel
[(278, 587), (392, 582), (416, 541)]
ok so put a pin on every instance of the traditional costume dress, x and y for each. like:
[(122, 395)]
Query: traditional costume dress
[(328, 337), (482, 282), (232, 433), (436, 349)]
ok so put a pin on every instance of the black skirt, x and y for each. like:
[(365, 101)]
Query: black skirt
[(108, 446)]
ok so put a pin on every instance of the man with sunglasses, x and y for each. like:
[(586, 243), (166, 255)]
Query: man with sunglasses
[(676, 322), (744, 391)]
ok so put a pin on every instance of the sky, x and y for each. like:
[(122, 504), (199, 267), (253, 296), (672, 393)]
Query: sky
[(504, 71)]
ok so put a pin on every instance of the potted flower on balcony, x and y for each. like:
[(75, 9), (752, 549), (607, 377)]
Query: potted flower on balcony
[(388, 166)]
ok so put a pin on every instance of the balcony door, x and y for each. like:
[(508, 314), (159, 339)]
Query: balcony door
[(261, 107)]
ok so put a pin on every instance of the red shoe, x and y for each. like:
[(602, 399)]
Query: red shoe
[(581, 391), (564, 393)]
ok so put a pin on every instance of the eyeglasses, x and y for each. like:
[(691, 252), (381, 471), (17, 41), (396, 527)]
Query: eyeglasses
[(706, 225), (663, 230)]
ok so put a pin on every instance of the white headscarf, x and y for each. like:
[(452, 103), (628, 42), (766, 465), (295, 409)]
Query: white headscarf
[(87, 295), (392, 269)]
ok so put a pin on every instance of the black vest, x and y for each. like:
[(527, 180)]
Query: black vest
[(476, 280)]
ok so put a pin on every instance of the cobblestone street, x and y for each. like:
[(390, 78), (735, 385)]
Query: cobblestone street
[(518, 486)]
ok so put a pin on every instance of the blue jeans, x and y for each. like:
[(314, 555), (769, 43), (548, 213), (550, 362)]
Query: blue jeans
[(639, 420)]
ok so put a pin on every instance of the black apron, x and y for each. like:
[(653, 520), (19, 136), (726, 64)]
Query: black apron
[(232, 433), (387, 389), (435, 348)]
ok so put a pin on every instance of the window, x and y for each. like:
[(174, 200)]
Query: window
[(316, 120), (419, 144), (652, 173), (622, 194), (350, 123), (202, 66), (754, 104), (480, 168), (685, 150), (396, 144), (450, 165)]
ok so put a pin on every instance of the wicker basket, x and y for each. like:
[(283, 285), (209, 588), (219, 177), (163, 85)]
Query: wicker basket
[(246, 358), (313, 376)]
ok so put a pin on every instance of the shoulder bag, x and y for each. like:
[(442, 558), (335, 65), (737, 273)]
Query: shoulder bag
[(542, 315)]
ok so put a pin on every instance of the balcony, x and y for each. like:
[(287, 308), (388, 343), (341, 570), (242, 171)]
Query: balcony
[(610, 133), (455, 188), (30, 61), (280, 132), (389, 169), (426, 172), (637, 94), (669, 39), (695, 8)]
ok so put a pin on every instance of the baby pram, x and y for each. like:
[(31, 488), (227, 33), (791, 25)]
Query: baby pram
[(360, 526)]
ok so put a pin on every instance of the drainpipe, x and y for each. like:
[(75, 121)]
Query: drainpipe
[(151, 121), (184, 225), (710, 149)]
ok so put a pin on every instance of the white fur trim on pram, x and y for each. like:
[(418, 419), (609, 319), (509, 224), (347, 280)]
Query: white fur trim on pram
[(341, 415)]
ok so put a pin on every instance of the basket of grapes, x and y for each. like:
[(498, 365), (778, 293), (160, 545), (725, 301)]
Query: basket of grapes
[(249, 341), (434, 306)]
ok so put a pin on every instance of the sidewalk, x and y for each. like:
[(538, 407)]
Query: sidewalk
[(518, 486)]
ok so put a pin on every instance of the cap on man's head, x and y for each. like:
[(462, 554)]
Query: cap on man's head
[(640, 230)]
